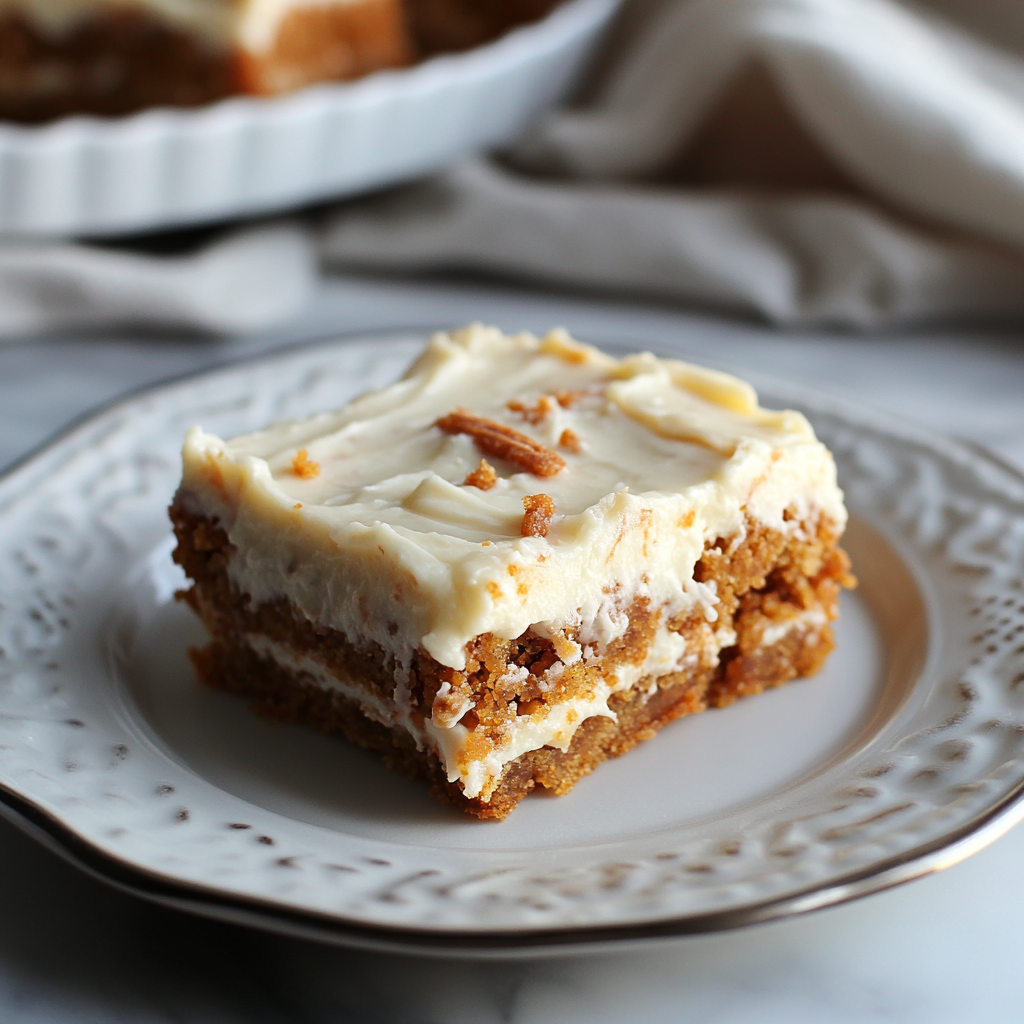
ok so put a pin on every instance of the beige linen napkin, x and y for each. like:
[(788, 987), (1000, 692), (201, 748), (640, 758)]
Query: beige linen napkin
[(245, 280), (847, 162)]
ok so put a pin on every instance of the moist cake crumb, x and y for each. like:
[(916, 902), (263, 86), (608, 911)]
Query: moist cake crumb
[(303, 466), (540, 510), (482, 477)]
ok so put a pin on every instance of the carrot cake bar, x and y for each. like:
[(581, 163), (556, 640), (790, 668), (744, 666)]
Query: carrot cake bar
[(520, 560)]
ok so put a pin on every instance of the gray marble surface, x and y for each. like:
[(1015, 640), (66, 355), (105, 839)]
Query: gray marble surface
[(943, 949)]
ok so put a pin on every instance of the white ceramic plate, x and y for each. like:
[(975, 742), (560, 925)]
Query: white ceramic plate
[(903, 756), (243, 156)]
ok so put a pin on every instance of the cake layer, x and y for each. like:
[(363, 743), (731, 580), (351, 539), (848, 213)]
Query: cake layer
[(481, 731)]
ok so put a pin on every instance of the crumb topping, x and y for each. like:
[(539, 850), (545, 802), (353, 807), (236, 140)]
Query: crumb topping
[(533, 414), (570, 441), (504, 442), (540, 510), (303, 466), (483, 476), (567, 399)]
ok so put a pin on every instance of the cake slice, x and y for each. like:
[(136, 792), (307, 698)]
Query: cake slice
[(60, 57), (520, 560), (113, 57)]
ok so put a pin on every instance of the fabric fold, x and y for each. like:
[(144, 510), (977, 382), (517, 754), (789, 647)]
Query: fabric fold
[(797, 261), (918, 113), (246, 280), (922, 120)]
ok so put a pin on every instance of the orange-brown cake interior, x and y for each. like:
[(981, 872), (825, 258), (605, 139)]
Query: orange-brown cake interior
[(766, 583)]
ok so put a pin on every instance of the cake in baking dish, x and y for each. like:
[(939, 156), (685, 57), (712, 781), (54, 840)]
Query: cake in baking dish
[(520, 560), (112, 57)]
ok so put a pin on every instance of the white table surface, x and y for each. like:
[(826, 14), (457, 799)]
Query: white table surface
[(947, 948)]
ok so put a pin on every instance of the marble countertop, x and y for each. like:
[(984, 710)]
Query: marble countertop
[(942, 949)]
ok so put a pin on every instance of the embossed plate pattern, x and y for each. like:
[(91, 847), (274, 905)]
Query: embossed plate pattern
[(904, 756)]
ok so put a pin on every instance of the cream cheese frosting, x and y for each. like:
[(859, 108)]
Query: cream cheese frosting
[(385, 541)]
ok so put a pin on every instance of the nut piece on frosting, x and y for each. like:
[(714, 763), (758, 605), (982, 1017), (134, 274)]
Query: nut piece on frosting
[(504, 442)]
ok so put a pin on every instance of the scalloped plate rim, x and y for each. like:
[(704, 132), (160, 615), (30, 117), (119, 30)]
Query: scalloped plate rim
[(526, 943)]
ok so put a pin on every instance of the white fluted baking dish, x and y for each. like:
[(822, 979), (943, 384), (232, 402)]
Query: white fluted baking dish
[(162, 168)]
